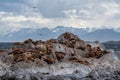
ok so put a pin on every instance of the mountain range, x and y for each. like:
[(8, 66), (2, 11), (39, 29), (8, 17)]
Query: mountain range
[(101, 35)]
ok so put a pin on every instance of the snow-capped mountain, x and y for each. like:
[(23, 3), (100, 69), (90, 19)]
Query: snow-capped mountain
[(102, 35), (46, 33), (23, 34), (77, 31), (39, 34)]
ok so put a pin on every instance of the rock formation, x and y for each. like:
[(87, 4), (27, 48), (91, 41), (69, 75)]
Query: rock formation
[(68, 47), (65, 58)]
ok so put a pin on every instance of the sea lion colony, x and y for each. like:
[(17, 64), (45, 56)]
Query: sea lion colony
[(67, 47)]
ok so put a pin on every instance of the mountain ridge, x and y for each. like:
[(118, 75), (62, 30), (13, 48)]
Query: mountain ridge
[(46, 33)]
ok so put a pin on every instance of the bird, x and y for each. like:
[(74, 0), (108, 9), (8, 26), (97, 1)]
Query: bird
[(34, 7)]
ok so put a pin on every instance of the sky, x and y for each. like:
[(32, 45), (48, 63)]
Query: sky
[(16, 14)]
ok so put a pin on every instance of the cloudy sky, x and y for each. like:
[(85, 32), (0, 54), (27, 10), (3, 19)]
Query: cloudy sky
[(16, 14)]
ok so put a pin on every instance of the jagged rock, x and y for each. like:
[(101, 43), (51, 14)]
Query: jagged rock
[(108, 71)]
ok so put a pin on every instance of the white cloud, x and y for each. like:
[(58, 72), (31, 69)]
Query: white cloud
[(75, 13), (111, 8), (81, 14)]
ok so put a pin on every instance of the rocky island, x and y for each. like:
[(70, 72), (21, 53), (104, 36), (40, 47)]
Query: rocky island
[(65, 58)]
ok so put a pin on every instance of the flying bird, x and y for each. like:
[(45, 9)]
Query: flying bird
[(34, 7)]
